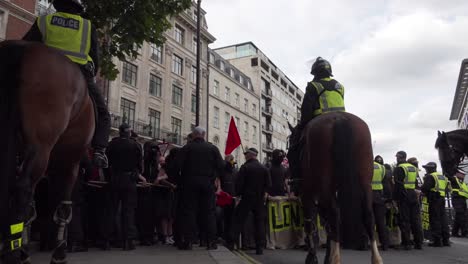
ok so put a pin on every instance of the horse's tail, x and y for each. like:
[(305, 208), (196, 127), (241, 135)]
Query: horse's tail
[(11, 56), (350, 192)]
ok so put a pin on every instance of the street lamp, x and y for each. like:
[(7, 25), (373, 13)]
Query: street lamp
[(197, 92)]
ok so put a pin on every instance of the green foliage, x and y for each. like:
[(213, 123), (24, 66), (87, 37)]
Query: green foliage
[(123, 26)]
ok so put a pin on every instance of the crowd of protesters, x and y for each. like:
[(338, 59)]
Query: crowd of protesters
[(154, 194)]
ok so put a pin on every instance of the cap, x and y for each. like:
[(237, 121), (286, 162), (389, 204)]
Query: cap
[(251, 150), (430, 165), (401, 153)]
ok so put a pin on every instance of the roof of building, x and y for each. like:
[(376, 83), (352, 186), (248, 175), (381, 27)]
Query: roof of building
[(459, 100)]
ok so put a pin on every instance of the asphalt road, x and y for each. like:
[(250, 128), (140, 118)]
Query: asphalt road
[(456, 254)]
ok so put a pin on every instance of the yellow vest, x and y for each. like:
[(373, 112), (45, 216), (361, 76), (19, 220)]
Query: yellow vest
[(330, 98), (379, 173), (463, 191), (70, 34), (410, 175), (441, 183)]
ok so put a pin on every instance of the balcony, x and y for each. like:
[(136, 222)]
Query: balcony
[(267, 110), (267, 93), (267, 128), (267, 146), (147, 131)]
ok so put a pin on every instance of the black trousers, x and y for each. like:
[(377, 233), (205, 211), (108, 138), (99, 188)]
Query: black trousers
[(224, 219), (257, 207), (146, 214), (410, 221), (378, 204), (124, 193), (459, 204), (101, 133), (438, 219), (198, 199)]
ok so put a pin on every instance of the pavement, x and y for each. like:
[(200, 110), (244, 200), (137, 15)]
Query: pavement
[(456, 254), (148, 255)]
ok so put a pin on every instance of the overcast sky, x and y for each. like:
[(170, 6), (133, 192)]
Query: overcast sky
[(399, 60)]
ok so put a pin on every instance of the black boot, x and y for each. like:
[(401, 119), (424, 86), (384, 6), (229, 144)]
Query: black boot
[(212, 246), (129, 245), (436, 243), (259, 251)]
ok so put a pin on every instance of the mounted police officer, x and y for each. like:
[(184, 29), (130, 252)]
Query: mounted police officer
[(75, 37), (378, 201), (323, 95), (405, 176), (459, 196), (435, 187), (125, 160)]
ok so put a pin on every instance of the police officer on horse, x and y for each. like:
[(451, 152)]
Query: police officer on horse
[(75, 37), (323, 95)]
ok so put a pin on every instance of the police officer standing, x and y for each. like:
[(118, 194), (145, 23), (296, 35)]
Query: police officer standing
[(405, 176), (459, 196), (253, 182), (378, 202), (435, 187), (125, 160), (199, 163)]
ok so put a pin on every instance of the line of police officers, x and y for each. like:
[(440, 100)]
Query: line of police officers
[(407, 188)]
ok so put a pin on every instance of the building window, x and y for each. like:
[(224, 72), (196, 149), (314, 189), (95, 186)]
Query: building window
[(254, 134), (194, 103), (227, 95), (246, 130), (176, 125), (216, 141), (193, 77), (232, 73), (254, 62), (237, 122), (254, 109), (154, 122), (221, 65), (179, 34), (194, 45), (216, 88), (237, 99), (156, 53), (212, 58), (177, 63), (127, 109), (129, 73), (246, 105), (176, 95), (216, 117), (227, 119), (155, 85)]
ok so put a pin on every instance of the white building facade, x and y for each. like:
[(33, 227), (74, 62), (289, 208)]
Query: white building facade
[(231, 94)]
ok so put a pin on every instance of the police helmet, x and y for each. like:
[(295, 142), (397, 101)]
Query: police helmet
[(321, 66), (58, 4)]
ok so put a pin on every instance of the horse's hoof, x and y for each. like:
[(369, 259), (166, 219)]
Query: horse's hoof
[(311, 259)]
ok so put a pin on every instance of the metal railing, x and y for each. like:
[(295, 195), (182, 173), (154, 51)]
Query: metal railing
[(267, 110), (267, 92), (267, 128)]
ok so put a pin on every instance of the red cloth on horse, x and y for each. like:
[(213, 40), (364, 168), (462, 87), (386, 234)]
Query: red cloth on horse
[(223, 199)]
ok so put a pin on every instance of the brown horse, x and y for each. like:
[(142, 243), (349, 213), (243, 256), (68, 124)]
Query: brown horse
[(453, 148), (47, 119), (336, 172)]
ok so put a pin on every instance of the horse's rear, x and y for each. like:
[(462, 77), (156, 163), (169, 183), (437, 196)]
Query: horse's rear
[(337, 173), (50, 119)]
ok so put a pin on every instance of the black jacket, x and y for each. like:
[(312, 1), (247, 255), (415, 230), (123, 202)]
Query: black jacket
[(199, 161), (228, 179), (125, 155), (278, 176), (253, 180), (34, 34)]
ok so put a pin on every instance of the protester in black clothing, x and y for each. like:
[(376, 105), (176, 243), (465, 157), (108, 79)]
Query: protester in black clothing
[(253, 181), (278, 174), (227, 182), (125, 160), (405, 178), (199, 164), (435, 187)]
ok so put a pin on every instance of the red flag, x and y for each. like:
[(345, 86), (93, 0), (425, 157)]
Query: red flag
[(233, 140)]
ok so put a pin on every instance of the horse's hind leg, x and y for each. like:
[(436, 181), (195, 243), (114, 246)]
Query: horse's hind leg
[(330, 212), (23, 210), (310, 228), (64, 180), (369, 225)]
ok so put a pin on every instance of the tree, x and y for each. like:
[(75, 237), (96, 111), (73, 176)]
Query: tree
[(124, 25)]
